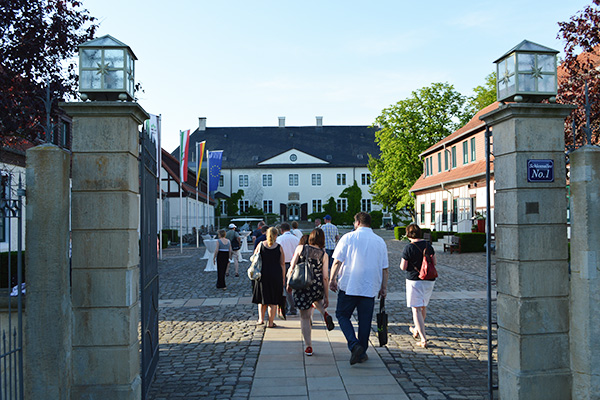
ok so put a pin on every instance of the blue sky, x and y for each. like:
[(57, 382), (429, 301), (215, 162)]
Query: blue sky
[(245, 63)]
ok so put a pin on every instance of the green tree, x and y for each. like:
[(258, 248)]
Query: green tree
[(483, 96), (354, 196), (233, 202), (407, 128)]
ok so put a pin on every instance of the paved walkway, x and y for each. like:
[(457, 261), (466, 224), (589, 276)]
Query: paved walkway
[(211, 347)]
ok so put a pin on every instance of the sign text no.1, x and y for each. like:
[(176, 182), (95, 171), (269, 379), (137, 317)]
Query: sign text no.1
[(540, 170)]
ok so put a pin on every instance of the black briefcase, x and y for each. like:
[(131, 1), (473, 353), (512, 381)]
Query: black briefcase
[(382, 323)]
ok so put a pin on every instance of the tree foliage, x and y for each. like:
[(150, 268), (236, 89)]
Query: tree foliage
[(37, 40), (483, 96), (354, 196), (582, 57), (407, 128)]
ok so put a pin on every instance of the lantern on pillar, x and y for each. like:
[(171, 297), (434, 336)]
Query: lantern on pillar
[(527, 73), (106, 70)]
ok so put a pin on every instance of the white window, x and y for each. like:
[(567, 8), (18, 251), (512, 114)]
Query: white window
[(317, 206), (243, 180), (221, 180), (366, 179), (342, 205), (223, 207), (366, 205), (268, 206), (293, 179), (267, 180), (244, 205), (341, 179), (316, 179)]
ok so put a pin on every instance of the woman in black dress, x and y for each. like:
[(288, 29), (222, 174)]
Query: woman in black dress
[(221, 257), (318, 292), (268, 290)]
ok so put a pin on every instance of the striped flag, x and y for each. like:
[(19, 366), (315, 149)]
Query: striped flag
[(199, 160), (183, 155)]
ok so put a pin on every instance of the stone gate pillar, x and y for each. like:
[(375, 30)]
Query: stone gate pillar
[(105, 270), (585, 278), (531, 266)]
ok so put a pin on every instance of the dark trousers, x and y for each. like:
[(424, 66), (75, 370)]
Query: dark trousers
[(291, 304), (222, 262), (330, 254), (346, 305)]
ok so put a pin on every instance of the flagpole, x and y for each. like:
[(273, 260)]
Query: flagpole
[(160, 209), (197, 200)]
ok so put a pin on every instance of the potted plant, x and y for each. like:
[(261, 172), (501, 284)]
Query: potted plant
[(474, 228), (480, 221)]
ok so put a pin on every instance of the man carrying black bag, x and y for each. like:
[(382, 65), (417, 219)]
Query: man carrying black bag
[(382, 323)]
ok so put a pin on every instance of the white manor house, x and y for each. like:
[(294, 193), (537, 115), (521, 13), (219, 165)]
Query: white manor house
[(290, 170)]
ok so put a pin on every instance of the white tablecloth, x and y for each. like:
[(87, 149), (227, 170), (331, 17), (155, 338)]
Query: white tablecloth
[(211, 245), (244, 238)]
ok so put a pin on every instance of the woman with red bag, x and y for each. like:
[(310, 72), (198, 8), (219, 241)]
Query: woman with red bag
[(418, 291)]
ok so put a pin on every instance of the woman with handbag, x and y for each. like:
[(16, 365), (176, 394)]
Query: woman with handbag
[(313, 256), (418, 291), (268, 289), (221, 257)]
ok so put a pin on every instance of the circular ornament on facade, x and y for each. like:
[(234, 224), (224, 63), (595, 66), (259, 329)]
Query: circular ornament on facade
[(293, 157)]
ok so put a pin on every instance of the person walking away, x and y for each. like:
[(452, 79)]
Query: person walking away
[(317, 222), (236, 244), (296, 231), (221, 257), (267, 291), (257, 232), (288, 242), (332, 235), (418, 291), (318, 292), (363, 276)]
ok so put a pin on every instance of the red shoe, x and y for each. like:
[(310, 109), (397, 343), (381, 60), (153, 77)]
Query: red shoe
[(308, 351)]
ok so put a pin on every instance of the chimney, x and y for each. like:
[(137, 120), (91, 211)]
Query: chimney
[(281, 122), (319, 121), (202, 123)]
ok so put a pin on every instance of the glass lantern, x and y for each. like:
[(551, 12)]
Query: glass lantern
[(106, 70), (527, 73)]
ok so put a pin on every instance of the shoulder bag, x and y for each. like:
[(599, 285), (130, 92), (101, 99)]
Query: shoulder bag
[(254, 270), (302, 274), (427, 271)]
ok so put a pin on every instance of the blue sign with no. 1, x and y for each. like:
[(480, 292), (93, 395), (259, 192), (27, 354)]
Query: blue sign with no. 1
[(540, 170)]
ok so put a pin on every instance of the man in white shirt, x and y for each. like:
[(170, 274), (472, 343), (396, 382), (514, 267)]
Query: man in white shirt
[(360, 272), (288, 242)]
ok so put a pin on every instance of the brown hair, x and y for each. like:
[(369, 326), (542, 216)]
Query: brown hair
[(363, 218), (272, 234), (413, 231), (317, 238), (303, 240), (221, 233), (295, 224)]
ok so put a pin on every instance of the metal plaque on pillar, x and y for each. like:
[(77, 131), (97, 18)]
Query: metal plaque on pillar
[(540, 170)]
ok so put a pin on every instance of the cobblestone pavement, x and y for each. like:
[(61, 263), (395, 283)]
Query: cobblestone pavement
[(210, 351)]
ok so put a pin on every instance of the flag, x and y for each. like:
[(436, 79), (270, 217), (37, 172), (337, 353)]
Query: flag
[(214, 162), (153, 130), (183, 155), (200, 149)]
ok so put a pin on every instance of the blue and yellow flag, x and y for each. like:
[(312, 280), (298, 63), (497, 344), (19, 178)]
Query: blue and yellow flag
[(214, 161)]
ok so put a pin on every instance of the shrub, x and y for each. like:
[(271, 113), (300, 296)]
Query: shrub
[(399, 231), (471, 242), (376, 219), (172, 235), (4, 281), (437, 235)]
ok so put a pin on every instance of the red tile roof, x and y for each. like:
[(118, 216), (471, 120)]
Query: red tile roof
[(474, 124), (470, 171)]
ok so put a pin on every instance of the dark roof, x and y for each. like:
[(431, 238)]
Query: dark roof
[(245, 147)]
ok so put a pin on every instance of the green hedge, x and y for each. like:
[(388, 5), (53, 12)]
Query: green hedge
[(399, 231), (437, 235), (171, 235), (471, 242), (4, 282)]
